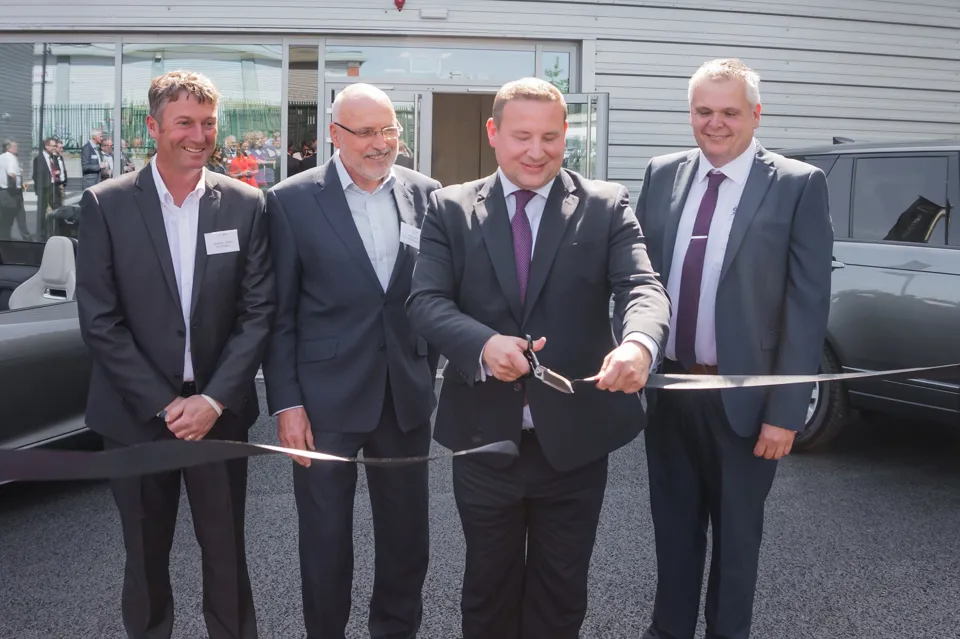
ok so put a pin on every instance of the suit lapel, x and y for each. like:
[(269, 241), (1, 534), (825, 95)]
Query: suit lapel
[(207, 223), (758, 182), (406, 213), (686, 172), (560, 207), (333, 205), (494, 221), (148, 200)]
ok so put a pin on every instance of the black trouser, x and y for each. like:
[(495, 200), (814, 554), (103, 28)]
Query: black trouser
[(399, 499), (530, 532), (148, 511), (701, 470), (12, 209)]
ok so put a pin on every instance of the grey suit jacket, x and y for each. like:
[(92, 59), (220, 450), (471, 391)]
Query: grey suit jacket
[(130, 312), (338, 333), (465, 290), (774, 291)]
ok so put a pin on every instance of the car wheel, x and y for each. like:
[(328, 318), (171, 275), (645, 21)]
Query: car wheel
[(828, 412)]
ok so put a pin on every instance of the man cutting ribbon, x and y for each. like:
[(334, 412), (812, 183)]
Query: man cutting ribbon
[(534, 249)]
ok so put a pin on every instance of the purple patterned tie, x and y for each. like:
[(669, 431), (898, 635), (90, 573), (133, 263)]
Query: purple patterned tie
[(689, 305), (522, 240)]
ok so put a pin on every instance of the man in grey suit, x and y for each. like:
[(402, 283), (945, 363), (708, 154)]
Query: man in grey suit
[(92, 160), (345, 370), (175, 294), (743, 239), (534, 250)]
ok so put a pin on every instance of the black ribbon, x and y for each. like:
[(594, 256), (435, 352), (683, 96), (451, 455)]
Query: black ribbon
[(37, 464)]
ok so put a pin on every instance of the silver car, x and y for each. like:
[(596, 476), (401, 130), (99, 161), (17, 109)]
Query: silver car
[(895, 301)]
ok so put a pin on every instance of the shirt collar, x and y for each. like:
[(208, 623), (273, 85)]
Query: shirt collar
[(162, 190), (737, 170), (509, 187), (346, 181)]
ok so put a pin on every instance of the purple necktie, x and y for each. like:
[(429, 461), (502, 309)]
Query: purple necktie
[(689, 304), (522, 240)]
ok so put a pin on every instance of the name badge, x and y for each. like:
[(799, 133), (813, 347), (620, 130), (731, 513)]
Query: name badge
[(410, 235), (222, 242)]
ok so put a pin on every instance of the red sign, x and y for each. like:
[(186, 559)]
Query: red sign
[(399, 4)]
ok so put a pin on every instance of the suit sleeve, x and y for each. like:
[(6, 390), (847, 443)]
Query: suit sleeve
[(102, 324), (638, 296), (806, 304), (280, 364), (432, 305), (256, 304)]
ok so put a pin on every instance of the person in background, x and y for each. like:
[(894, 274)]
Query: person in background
[(243, 166), (11, 193)]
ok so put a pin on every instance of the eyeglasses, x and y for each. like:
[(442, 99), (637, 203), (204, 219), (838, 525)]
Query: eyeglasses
[(388, 132)]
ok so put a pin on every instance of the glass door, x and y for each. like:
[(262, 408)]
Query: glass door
[(587, 136), (414, 113)]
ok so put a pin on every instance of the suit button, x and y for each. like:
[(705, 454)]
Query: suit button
[(518, 386), (386, 304)]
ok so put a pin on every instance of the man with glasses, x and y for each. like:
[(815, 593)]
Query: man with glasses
[(344, 370)]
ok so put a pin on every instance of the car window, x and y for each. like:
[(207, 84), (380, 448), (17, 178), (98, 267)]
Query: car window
[(822, 162), (900, 199), (839, 184)]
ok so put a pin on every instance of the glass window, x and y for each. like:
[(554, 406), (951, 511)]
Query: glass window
[(248, 78), (56, 109), (302, 110), (556, 69), (900, 199), (839, 184), (822, 162), (489, 67)]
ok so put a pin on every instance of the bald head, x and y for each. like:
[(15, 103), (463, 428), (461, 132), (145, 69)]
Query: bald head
[(366, 133), (359, 96)]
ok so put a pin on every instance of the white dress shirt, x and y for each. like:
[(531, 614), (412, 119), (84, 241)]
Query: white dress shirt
[(737, 171), (534, 211), (181, 224), (378, 222), (10, 166)]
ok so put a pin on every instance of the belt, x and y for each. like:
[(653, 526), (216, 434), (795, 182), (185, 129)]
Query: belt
[(673, 366), (189, 389)]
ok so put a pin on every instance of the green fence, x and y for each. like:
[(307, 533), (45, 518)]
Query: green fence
[(71, 123)]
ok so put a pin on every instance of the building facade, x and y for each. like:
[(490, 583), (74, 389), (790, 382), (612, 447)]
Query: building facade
[(860, 69)]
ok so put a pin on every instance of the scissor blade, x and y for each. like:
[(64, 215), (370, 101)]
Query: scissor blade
[(555, 381)]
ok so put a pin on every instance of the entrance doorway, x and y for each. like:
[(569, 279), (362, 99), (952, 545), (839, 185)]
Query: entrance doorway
[(444, 133), (461, 151)]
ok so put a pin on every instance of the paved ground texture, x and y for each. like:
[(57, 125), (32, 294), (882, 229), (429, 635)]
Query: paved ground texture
[(861, 541)]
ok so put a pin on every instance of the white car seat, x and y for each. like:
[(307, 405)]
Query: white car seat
[(56, 281)]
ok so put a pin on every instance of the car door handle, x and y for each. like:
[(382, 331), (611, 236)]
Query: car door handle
[(835, 265)]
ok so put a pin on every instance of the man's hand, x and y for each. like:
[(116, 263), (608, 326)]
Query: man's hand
[(196, 418), (503, 355), (774, 442), (625, 368), (293, 429), (174, 409)]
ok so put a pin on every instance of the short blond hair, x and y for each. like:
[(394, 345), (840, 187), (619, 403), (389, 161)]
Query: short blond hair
[(167, 88), (727, 69), (526, 89)]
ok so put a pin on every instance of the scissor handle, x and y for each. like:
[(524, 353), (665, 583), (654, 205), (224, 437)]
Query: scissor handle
[(531, 357)]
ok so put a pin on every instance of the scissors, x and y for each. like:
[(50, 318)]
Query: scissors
[(544, 374)]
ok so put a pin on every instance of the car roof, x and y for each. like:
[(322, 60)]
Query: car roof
[(875, 147)]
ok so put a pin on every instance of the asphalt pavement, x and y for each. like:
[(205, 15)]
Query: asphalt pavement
[(861, 541)]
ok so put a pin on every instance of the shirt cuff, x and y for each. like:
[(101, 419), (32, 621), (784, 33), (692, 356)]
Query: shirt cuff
[(282, 410), (651, 345), (213, 403)]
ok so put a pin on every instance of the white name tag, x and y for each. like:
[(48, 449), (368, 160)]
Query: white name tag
[(222, 242), (410, 235)]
